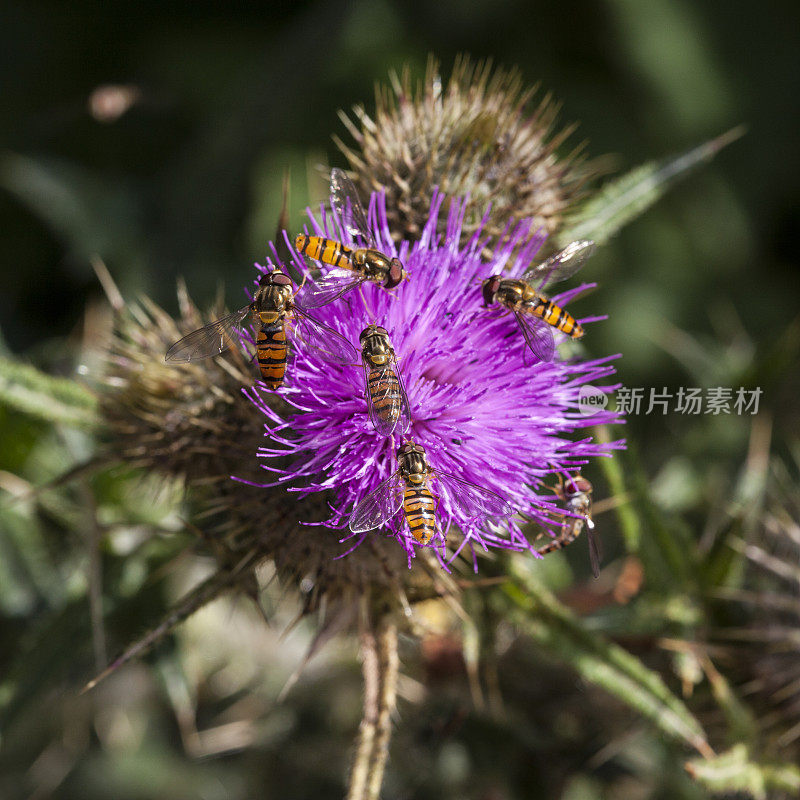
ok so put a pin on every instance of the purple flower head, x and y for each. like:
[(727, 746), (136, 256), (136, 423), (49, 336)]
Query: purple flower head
[(480, 414)]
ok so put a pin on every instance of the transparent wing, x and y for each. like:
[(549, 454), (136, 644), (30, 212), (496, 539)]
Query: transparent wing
[(404, 421), (333, 346), (344, 200), (595, 552), (210, 340), (538, 336), (381, 392), (329, 288), (562, 265), (395, 404), (474, 500), (595, 547), (378, 506)]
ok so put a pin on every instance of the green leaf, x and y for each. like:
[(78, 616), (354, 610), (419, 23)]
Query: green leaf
[(734, 772), (624, 199), (665, 550), (555, 628), (91, 216), (55, 400), (626, 512)]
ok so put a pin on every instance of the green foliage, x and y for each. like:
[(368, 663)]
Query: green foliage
[(55, 400), (734, 771), (623, 199), (557, 631), (91, 216), (700, 291)]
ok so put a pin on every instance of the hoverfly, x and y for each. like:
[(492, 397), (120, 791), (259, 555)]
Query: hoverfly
[(577, 496), (272, 307), (536, 315), (386, 395), (352, 265), (409, 487)]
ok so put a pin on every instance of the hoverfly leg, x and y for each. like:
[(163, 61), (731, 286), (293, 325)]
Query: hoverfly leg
[(558, 489), (370, 312)]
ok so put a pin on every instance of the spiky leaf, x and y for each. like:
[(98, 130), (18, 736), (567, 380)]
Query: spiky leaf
[(620, 201), (55, 400), (733, 771), (556, 629)]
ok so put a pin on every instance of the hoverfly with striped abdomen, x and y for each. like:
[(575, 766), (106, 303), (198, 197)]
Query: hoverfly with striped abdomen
[(386, 396), (352, 265), (272, 308), (409, 488), (536, 315), (577, 496)]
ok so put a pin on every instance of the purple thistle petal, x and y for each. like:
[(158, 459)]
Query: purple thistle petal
[(480, 414)]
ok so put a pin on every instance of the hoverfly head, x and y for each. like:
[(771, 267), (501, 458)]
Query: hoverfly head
[(405, 449), (490, 287), (280, 278), (370, 330), (397, 274), (577, 485), (410, 448), (275, 278)]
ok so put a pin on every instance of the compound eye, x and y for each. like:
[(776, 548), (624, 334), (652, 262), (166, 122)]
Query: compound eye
[(581, 485), (395, 275), (490, 287)]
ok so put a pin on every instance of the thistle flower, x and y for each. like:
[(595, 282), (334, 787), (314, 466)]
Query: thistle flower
[(471, 138), (190, 422), (166, 419), (481, 415)]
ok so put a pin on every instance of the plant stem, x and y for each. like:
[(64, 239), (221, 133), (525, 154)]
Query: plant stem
[(380, 667)]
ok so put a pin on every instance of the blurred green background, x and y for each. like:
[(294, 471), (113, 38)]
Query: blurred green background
[(701, 291), (187, 181)]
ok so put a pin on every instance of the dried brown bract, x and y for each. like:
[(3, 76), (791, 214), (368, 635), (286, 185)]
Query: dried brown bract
[(473, 137)]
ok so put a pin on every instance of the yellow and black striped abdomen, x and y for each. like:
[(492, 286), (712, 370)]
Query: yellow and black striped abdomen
[(570, 530), (326, 250), (384, 392), (554, 315), (419, 508), (271, 348)]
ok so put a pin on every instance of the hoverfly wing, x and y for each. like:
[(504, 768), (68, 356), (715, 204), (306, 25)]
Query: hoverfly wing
[(404, 420), (538, 336), (395, 414), (329, 288), (344, 200), (378, 506), (562, 265), (386, 422), (474, 500), (595, 547), (210, 340), (333, 346)]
